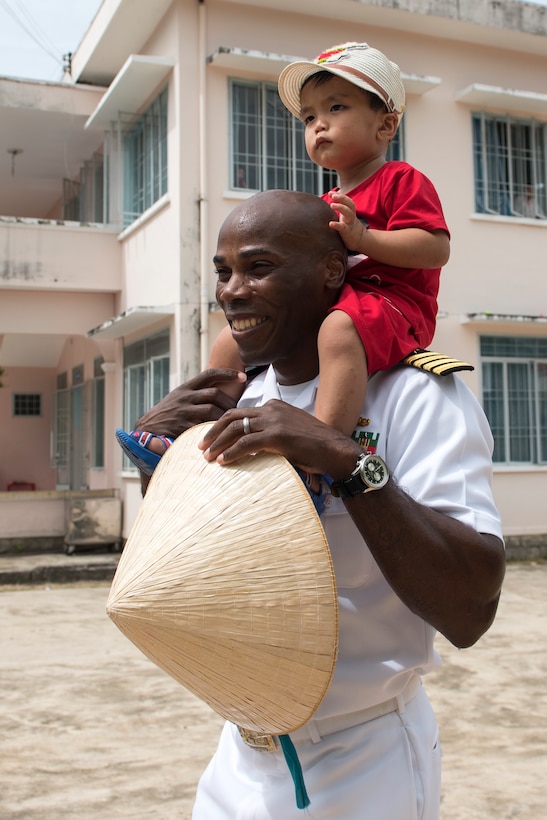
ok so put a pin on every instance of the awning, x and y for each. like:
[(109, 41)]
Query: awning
[(134, 84), (265, 62), (130, 321), (508, 99), (487, 318)]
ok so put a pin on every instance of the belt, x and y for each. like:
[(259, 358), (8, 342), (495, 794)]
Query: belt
[(315, 729)]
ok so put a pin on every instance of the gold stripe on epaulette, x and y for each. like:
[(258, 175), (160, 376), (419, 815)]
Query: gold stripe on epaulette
[(436, 363)]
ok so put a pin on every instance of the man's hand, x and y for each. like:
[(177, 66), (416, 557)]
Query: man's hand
[(197, 400), (277, 427)]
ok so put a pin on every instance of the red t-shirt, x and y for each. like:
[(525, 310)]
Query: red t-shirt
[(383, 299)]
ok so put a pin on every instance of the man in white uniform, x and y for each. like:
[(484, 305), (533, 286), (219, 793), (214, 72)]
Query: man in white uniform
[(414, 533)]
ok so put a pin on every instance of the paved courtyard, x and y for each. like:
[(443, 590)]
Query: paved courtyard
[(90, 729)]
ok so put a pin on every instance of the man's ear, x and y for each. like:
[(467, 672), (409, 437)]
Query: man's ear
[(336, 269)]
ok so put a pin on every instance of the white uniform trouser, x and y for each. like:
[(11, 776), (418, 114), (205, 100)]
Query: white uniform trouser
[(386, 769)]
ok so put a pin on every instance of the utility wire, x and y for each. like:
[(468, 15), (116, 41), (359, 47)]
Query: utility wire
[(39, 31), (38, 35)]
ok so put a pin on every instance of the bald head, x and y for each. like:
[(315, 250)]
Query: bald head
[(279, 269), (282, 212)]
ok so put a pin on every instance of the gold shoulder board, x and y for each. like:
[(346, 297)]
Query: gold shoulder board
[(436, 363)]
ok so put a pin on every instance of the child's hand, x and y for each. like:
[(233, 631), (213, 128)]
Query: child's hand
[(348, 225)]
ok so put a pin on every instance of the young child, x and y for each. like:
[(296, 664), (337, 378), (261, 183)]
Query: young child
[(351, 99)]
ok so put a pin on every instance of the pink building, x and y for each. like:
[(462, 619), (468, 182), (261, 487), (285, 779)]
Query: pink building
[(116, 179)]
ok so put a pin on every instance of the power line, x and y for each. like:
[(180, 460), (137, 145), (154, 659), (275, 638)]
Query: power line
[(38, 35), (40, 32)]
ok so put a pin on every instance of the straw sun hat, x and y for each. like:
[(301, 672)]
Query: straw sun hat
[(357, 63), (226, 583)]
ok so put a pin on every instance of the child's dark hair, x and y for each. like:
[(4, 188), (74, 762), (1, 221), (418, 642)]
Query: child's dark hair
[(321, 77)]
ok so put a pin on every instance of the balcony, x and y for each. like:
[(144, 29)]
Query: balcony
[(50, 255)]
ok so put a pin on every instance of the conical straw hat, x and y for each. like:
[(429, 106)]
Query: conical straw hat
[(226, 583)]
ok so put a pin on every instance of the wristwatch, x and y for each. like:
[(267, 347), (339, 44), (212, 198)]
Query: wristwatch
[(370, 473)]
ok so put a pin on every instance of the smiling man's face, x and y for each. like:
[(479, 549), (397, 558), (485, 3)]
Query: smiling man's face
[(272, 267)]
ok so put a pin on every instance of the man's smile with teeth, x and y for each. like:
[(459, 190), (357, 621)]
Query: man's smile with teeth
[(246, 324)]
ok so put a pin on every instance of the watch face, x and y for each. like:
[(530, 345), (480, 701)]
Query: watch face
[(374, 471), (370, 473)]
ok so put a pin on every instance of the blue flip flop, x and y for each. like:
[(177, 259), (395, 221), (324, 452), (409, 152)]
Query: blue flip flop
[(135, 446)]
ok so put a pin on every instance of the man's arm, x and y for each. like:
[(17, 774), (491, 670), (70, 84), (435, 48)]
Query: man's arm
[(443, 570)]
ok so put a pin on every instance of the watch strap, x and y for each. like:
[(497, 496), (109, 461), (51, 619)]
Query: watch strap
[(350, 487), (360, 481)]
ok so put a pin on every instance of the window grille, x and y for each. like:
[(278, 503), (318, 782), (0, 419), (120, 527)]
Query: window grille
[(144, 158), (97, 414), (146, 377), (267, 144), (510, 168), (84, 199), (77, 375), (27, 404), (514, 394)]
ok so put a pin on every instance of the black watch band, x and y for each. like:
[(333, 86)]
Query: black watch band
[(370, 473)]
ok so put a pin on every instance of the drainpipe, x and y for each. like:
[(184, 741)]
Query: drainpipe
[(203, 203)]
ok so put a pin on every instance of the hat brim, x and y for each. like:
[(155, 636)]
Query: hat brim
[(226, 583), (293, 77)]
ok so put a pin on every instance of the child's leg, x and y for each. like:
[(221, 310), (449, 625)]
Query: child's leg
[(342, 387), (224, 353), (343, 373)]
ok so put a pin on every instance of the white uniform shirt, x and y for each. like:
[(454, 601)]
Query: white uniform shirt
[(436, 441)]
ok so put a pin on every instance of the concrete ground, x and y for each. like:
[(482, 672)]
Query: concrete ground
[(90, 729)]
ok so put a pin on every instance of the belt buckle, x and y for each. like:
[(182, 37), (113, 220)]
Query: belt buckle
[(257, 740)]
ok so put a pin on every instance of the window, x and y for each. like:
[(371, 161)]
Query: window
[(145, 159), (91, 193), (27, 404), (83, 200), (514, 393), (146, 377), (267, 144), (77, 375), (97, 414), (138, 144), (510, 168)]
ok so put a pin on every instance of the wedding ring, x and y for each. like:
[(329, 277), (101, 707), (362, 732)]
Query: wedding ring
[(246, 425)]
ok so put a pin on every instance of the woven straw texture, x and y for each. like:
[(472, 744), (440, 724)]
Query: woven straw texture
[(357, 63), (226, 583)]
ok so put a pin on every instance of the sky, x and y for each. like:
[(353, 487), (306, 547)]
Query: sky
[(34, 35)]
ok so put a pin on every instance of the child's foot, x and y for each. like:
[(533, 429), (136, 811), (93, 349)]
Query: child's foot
[(143, 449), (318, 486)]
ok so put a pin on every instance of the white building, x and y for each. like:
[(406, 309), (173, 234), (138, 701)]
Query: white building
[(114, 183)]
